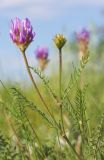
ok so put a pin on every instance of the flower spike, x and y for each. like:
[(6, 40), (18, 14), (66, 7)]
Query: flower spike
[(42, 56), (21, 33)]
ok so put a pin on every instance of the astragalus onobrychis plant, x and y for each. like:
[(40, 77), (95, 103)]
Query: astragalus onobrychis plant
[(66, 133)]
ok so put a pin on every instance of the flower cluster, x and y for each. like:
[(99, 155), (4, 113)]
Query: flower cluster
[(83, 41), (21, 33), (59, 40), (42, 55), (41, 52), (84, 36)]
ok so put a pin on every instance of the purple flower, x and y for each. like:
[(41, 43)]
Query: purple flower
[(21, 32), (42, 55), (83, 35), (41, 52)]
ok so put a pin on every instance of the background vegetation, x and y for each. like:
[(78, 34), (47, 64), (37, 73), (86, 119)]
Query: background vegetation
[(23, 116)]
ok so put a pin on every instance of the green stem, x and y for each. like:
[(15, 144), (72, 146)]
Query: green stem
[(60, 94), (35, 135), (88, 125), (60, 88), (71, 146), (35, 86), (60, 72)]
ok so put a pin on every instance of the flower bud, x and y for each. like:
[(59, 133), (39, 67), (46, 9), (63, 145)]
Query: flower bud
[(59, 40)]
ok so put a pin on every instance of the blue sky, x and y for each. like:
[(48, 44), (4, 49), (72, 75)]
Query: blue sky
[(48, 17)]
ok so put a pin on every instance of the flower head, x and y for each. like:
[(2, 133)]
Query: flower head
[(83, 41), (42, 55), (41, 52), (21, 33), (59, 40), (84, 35)]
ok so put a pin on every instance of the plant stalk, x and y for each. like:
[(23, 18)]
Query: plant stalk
[(71, 146), (35, 86), (60, 89), (60, 72)]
